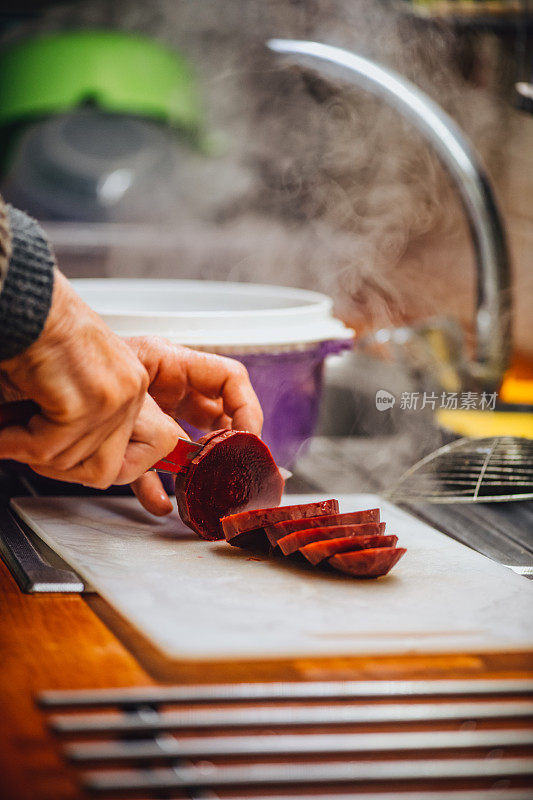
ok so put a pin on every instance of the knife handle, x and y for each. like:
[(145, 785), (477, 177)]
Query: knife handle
[(18, 412), (179, 459)]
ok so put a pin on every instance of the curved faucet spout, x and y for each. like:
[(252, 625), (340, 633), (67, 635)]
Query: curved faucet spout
[(493, 313)]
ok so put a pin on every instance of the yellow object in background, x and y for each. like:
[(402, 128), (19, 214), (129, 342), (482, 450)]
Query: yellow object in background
[(516, 389), (486, 423), (517, 386)]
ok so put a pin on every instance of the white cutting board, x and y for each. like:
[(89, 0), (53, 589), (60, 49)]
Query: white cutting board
[(199, 600)]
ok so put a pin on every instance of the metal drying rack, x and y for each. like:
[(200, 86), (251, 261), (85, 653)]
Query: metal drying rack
[(320, 738)]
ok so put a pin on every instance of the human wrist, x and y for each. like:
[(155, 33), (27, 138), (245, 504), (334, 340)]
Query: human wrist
[(26, 294), (63, 317)]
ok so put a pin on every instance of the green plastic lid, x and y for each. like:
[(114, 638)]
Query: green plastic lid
[(120, 72)]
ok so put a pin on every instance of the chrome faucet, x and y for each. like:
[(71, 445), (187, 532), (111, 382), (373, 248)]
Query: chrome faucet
[(493, 311)]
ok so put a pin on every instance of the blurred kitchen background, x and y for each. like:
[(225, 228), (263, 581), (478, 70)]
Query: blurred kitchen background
[(163, 140)]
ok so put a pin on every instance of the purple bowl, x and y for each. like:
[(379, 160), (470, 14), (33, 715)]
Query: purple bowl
[(289, 387)]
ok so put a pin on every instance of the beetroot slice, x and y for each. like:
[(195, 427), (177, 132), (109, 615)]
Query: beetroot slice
[(254, 539), (233, 471), (294, 541), (247, 528), (319, 551), (280, 529), (368, 563)]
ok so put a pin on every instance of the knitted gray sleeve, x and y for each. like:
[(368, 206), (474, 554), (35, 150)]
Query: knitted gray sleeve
[(26, 290), (5, 242)]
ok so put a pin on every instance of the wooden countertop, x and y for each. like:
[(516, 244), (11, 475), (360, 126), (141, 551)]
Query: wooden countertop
[(71, 641), (48, 641)]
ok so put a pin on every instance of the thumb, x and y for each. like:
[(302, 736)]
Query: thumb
[(154, 436)]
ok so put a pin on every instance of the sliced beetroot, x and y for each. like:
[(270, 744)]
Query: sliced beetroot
[(248, 520), (294, 541), (278, 530), (319, 551), (367, 563), (247, 529), (254, 539), (234, 471)]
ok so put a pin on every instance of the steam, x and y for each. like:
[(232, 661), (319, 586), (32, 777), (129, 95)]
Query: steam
[(315, 184)]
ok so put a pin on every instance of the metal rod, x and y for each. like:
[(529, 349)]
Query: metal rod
[(142, 721), (493, 315), (494, 793), (464, 496), (30, 570), (309, 690), (168, 748), (304, 773)]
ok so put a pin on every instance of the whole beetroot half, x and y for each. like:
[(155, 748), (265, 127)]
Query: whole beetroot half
[(234, 471)]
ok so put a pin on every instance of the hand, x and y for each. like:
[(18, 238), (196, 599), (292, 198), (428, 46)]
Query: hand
[(91, 390), (205, 390)]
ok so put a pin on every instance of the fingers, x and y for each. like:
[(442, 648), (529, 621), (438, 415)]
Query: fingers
[(183, 382), (225, 378), (153, 437), (62, 446), (204, 412), (165, 365), (122, 458), (149, 491), (100, 470)]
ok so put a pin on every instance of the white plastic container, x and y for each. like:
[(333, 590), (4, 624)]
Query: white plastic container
[(214, 315)]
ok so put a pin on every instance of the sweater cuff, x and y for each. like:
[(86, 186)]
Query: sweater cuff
[(26, 293)]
